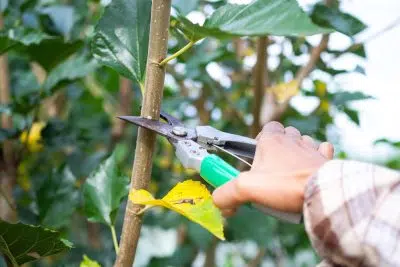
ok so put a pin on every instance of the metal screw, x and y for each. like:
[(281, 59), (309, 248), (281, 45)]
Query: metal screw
[(194, 151), (215, 138), (179, 131)]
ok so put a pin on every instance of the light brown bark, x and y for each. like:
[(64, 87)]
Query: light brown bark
[(8, 170), (141, 172)]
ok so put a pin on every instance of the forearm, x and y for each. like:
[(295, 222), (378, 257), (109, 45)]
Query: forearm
[(352, 213)]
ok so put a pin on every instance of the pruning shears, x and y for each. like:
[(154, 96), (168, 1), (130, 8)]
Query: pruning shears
[(192, 146)]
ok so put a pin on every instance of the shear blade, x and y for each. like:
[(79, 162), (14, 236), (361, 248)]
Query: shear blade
[(160, 128)]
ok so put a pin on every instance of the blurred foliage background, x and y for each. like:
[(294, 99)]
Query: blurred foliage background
[(58, 107)]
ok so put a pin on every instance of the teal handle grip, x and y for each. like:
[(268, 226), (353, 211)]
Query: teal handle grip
[(217, 172)]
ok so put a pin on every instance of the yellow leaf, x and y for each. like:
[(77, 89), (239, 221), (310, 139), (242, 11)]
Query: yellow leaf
[(284, 91), (320, 88), (87, 262), (324, 105), (34, 140), (189, 198)]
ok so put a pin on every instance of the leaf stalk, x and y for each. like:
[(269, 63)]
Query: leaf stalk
[(178, 53)]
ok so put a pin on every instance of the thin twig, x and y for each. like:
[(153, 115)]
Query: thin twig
[(389, 27), (141, 171), (178, 53)]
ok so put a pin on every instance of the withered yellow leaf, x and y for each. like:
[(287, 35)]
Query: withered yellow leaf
[(189, 198), (284, 91)]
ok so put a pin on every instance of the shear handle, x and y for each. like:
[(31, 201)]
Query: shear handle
[(236, 144)]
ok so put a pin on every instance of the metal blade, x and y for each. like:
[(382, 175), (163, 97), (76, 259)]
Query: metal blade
[(160, 128)]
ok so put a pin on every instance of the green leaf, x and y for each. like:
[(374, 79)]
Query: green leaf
[(87, 262), (258, 18), (21, 37), (61, 17), (338, 20), (122, 36), (389, 142), (185, 6), (261, 229), (47, 50), (22, 243), (57, 199), (68, 71), (352, 114), (103, 192), (50, 53), (342, 98)]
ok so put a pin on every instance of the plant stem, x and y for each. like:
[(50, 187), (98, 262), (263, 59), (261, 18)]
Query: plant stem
[(141, 171), (178, 53), (260, 76), (114, 238)]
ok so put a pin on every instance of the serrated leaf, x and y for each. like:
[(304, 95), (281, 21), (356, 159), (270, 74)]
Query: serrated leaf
[(58, 198), (338, 20), (122, 36), (87, 262), (103, 192), (259, 18), (189, 198), (68, 71), (22, 243)]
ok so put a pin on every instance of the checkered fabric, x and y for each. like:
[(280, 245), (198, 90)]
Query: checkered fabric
[(352, 214)]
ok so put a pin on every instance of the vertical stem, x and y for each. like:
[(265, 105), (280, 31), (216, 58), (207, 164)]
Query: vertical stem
[(258, 258), (8, 173), (210, 254), (154, 84), (124, 108), (260, 76)]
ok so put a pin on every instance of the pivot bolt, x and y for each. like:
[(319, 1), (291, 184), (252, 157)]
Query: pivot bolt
[(179, 131)]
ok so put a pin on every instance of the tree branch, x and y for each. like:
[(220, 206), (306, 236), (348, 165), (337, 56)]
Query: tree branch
[(260, 75), (258, 258), (141, 172), (210, 254), (124, 108), (8, 174), (314, 57), (272, 110)]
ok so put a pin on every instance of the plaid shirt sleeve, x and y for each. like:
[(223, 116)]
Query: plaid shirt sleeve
[(352, 214)]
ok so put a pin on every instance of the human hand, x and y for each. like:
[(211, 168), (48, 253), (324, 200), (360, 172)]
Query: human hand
[(283, 163)]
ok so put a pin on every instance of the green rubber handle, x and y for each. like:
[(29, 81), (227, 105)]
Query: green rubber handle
[(216, 171)]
